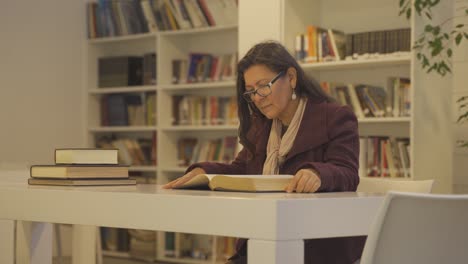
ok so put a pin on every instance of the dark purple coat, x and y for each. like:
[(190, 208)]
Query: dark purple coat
[(327, 141)]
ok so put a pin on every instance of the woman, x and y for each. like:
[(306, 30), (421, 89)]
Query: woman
[(288, 125)]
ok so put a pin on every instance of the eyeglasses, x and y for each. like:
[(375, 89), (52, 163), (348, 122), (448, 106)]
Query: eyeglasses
[(263, 90)]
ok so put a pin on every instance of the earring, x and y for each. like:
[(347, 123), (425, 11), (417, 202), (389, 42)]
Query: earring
[(294, 96)]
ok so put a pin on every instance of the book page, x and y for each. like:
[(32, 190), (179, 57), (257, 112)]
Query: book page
[(251, 176), (199, 180)]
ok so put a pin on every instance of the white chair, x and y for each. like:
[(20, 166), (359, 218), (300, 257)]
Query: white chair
[(419, 228), (382, 185)]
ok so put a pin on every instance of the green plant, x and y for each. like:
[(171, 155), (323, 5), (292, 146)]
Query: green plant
[(433, 45)]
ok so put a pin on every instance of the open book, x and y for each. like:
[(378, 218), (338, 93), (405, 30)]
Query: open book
[(239, 183)]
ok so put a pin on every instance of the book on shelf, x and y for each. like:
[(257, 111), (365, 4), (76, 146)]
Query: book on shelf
[(239, 183), (318, 44), (385, 157), (79, 171), (117, 71), (130, 109), (86, 156), (81, 182)]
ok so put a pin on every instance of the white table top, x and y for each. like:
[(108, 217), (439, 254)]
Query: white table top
[(269, 216)]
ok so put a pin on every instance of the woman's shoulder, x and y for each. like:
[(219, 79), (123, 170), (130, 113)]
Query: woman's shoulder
[(258, 124)]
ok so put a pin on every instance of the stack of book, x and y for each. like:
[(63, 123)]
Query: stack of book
[(82, 167)]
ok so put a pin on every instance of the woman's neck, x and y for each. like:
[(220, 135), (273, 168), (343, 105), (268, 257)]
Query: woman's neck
[(287, 115)]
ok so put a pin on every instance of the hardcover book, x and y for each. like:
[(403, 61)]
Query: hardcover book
[(86, 156), (81, 182), (239, 183), (79, 171)]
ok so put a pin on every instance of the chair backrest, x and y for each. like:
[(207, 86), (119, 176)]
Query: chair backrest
[(419, 228), (367, 184)]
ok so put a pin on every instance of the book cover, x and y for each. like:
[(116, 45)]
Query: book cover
[(239, 183), (86, 156), (79, 171), (81, 182)]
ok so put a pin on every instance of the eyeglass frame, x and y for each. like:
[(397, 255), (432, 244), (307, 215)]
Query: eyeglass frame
[(250, 94)]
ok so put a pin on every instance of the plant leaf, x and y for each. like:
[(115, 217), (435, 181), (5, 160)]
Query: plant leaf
[(436, 46), (428, 15), (449, 53), (458, 39), (445, 67), (434, 2), (428, 28)]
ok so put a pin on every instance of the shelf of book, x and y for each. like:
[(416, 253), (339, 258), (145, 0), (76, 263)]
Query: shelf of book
[(168, 42), (116, 254), (143, 168), (385, 126), (187, 260), (385, 120), (142, 36), (383, 61), (102, 129), (120, 39), (197, 86), (125, 89), (203, 30), (200, 128), (174, 169)]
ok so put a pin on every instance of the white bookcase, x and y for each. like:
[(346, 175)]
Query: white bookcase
[(178, 45), (428, 127), (168, 45), (135, 45)]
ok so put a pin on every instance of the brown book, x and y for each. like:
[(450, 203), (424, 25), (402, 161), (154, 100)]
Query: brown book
[(86, 156), (81, 182), (79, 171), (239, 183)]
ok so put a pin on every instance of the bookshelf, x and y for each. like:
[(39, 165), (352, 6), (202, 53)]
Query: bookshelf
[(136, 45), (168, 44), (427, 127)]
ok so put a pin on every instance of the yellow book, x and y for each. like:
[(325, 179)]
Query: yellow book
[(239, 183), (86, 156)]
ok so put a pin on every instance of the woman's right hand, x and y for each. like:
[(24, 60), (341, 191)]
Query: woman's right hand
[(188, 176)]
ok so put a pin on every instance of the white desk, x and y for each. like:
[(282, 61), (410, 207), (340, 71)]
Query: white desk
[(275, 223)]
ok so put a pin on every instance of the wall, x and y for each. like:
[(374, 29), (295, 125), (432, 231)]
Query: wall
[(40, 79), (460, 66)]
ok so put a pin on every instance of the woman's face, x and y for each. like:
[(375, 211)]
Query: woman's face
[(274, 104)]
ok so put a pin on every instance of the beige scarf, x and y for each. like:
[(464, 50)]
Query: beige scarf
[(278, 147)]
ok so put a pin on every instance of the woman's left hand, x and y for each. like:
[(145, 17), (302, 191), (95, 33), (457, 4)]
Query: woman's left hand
[(305, 181)]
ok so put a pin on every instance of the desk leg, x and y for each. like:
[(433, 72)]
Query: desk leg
[(33, 243), (275, 252), (7, 241), (83, 244)]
